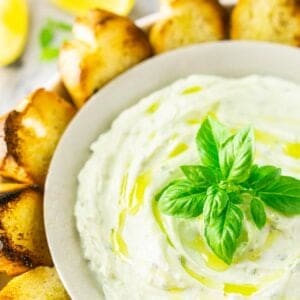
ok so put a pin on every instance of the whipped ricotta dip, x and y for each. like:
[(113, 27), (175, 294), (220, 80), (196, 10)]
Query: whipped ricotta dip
[(135, 251)]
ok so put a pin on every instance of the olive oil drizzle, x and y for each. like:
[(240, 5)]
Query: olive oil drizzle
[(178, 149), (198, 244), (129, 206)]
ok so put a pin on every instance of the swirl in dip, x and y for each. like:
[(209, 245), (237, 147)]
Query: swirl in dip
[(135, 251)]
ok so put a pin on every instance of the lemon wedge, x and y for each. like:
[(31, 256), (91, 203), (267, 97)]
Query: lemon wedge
[(13, 29), (79, 7)]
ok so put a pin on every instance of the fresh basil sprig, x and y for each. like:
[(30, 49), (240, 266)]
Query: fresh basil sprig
[(183, 199), (223, 223), (218, 187)]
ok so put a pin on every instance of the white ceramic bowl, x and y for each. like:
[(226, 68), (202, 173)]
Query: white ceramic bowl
[(231, 59)]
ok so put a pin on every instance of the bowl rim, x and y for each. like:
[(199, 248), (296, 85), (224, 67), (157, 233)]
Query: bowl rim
[(229, 56)]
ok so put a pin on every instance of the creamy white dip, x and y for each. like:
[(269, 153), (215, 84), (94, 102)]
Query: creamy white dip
[(134, 251)]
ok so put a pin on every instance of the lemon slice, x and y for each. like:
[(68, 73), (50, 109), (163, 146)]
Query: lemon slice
[(79, 7), (13, 29)]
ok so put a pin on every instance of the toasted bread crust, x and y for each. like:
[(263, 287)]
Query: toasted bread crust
[(10, 166), (104, 45), (7, 187), (188, 22), (10, 169), (22, 235), (42, 283), (31, 134), (274, 21)]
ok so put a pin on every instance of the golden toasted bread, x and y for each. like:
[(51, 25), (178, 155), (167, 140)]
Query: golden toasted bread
[(42, 283), (9, 169), (30, 135), (272, 20), (188, 22), (11, 187), (104, 45), (22, 236)]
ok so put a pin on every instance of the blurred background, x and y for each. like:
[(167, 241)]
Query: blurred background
[(37, 66), (31, 32)]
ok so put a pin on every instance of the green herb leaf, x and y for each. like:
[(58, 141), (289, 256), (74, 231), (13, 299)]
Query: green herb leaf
[(216, 202), (223, 223), (223, 182), (210, 138), (235, 197), (56, 24), (261, 177), (49, 53), (158, 195), (283, 195), (258, 213), (182, 199), (46, 37), (50, 38), (236, 157), (200, 175)]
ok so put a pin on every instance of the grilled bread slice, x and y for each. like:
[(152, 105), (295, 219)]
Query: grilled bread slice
[(9, 169), (188, 22), (11, 187), (22, 236), (104, 45), (41, 283), (272, 20), (30, 135)]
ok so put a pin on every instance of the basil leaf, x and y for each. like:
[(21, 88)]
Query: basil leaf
[(222, 230), (200, 175), (261, 177), (49, 53), (51, 36), (283, 195), (56, 24), (210, 138), (258, 213), (236, 157), (235, 197), (182, 199), (46, 36), (216, 201), (158, 195)]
